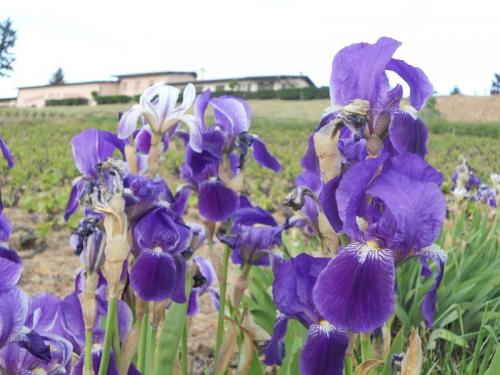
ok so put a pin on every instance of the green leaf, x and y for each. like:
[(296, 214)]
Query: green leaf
[(444, 334), (171, 336), (494, 368), (396, 347)]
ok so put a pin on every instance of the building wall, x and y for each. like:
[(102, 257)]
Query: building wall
[(36, 96), (137, 84), (252, 85), (7, 102)]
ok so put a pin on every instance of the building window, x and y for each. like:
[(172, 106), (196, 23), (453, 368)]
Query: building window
[(219, 87), (124, 84)]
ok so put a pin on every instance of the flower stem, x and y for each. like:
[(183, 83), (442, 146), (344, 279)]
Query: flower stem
[(88, 370), (365, 347), (348, 365), (108, 336), (184, 351), (116, 342), (141, 361), (222, 303)]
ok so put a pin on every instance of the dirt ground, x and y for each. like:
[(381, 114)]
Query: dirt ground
[(473, 109)]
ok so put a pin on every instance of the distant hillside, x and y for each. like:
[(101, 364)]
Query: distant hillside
[(460, 108)]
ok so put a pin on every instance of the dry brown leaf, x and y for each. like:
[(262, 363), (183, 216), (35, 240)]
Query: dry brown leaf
[(129, 348), (329, 235), (325, 145), (368, 365), (257, 332), (246, 354), (412, 361), (228, 346)]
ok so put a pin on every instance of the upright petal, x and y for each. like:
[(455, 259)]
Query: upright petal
[(408, 134), (232, 114), (420, 87), (128, 121), (419, 209), (324, 350), (263, 156), (356, 290), (216, 202), (358, 72)]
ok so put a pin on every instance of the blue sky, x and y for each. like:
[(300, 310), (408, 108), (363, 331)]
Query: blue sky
[(454, 42)]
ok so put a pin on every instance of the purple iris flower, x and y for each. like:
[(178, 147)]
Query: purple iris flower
[(39, 345), (159, 239), (359, 73), (325, 346), (6, 153), (224, 147), (487, 194), (90, 148), (391, 209), (463, 181), (253, 236), (203, 282)]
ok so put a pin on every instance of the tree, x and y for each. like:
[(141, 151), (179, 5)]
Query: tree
[(7, 41), (57, 77), (455, 91), (495, 85)]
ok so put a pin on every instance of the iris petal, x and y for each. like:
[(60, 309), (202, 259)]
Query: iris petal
[(356, 290), (263, 156), (216, 202)]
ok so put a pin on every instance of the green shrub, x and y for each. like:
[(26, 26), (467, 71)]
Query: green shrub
[(112, 99), (67, 101)]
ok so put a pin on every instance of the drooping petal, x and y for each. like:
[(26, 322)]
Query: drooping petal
[(216, 202), (11, 268), (356, 290), (74, 196), (72, 321), (324, 350), (125, 319), (358, 72), (153, 275), (143, 140), (6, 153), (420, 87), (179, 293), (194, 302), (414, 167), (275, 348), (438, 256), (96, 362), (12, 319), (232, 114), (43, 312), (408, 134), (263, 156)]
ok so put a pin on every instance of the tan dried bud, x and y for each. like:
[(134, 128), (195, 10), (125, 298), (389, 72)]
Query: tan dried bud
[(117, 250), (326, 146), (374, 145), (358, 107), (131, 157)]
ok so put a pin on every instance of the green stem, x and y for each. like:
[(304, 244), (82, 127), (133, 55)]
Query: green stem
[(222, 303), (141, 361), (348, 365), (88, 353), (184, 351), (116, 342), (365, 347), (108, 336)]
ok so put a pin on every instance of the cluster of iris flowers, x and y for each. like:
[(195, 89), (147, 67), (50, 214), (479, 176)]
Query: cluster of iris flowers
[(366, 192), (466, 185)]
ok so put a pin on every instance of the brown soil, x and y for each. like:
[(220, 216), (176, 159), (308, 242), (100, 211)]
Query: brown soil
[(469, 109)]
